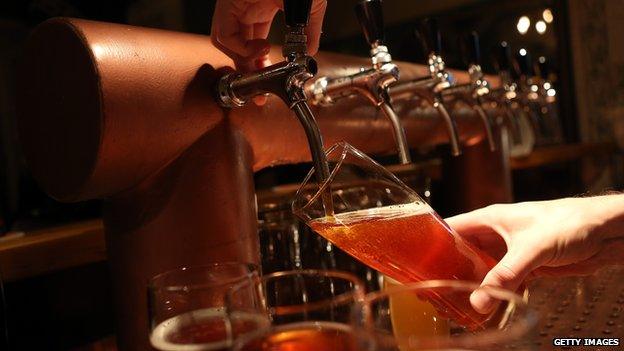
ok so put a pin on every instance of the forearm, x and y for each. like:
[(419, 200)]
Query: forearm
[(609, 212)]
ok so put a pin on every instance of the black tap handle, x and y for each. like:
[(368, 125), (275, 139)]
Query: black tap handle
[(370, 15), (544, 67), (470, 49), (297, 12), (502, 57), (523, 62), (428, 34)]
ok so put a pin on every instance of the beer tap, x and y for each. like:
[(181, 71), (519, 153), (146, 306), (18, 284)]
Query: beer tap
[(430, 87), (526, 82), (373, 82), (285, 79), (508, 94), (473, 92), (529, 92)]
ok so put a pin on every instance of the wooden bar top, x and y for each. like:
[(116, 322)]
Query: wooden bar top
[(24, 255)]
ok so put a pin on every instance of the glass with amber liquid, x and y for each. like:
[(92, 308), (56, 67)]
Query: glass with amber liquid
[(306, 309), (399, 234), (408, 318)]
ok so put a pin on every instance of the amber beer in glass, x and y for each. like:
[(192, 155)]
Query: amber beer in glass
[(398, 319), (321, 336), (308, 310), (400, 235)]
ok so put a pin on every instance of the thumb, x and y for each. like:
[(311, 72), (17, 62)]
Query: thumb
[(508, 274)]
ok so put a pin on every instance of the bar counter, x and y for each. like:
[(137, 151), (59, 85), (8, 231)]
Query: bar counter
[(573, 307)]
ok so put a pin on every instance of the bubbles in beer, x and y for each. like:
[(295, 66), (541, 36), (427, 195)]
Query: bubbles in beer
[(409, 243)]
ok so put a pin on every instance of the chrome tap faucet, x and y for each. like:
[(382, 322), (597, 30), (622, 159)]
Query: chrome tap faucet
[(529, 94), (508, 95), (473, 92), (548, 100), (540, 96), (430, 87), (526, 82), (373, 82), (285, 79)]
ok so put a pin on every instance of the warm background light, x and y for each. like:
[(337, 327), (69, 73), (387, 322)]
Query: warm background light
[(540, 27), (523, 25), (547, 16)]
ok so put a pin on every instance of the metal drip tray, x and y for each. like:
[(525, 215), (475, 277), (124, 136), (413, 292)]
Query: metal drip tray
[(580, 307)]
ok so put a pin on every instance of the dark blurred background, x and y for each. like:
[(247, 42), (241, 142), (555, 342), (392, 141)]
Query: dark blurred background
[(581, 38)]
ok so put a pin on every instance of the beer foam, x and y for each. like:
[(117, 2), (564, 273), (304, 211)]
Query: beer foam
[(380, 213), (160, 336)]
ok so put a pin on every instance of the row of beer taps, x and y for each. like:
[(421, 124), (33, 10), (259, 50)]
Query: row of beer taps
[(520, 94)]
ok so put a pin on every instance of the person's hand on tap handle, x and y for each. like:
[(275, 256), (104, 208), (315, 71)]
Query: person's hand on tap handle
[(240, 29), (571, 236)]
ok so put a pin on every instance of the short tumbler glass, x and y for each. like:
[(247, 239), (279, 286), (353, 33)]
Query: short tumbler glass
[(187, 307)]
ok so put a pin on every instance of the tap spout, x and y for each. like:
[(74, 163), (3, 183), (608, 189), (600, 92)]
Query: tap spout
[(373, 83), (430, 90), (487, 126), (286, 80), (451, 127), (399, 132), (513, 123), (469, 94)]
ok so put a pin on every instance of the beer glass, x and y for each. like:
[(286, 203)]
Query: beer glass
[(399, 235), (409, 318), (280, 238), (186, 307), (307, 310)]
